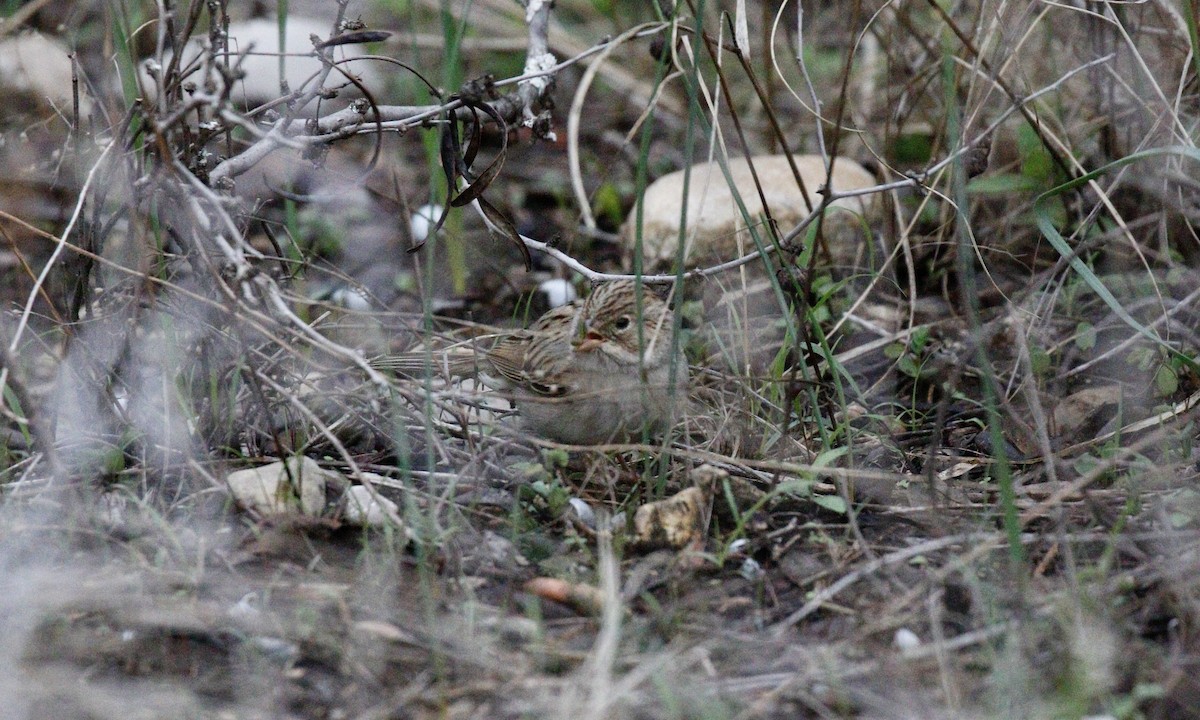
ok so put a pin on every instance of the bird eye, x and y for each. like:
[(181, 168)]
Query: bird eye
[(622, 323)]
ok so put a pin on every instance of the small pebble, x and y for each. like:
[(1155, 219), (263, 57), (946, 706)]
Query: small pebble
[(367, 509), (422, 221), (906, 639), (584, 512), (750, 569), (558, 292), (350, 298)]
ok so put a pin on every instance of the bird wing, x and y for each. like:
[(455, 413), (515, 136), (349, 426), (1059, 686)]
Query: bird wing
[(534, 361), (507, 357)]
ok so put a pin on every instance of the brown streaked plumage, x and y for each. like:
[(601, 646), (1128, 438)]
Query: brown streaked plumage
[(586, 373)]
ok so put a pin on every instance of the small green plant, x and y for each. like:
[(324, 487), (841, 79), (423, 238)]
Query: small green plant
[(911, 357), (541, 492)]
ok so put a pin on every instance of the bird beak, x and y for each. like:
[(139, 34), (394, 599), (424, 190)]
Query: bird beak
[(586, 339)]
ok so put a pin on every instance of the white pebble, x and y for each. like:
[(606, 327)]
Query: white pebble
[(584, 512), (350, 298), (422, 221), (558, 292), (751, 569), (906, 639), (365, 508)]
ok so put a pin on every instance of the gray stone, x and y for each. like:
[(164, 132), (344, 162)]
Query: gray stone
[(269, 489)]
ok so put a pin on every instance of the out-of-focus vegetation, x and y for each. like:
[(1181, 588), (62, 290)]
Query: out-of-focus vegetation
[(939, 458)]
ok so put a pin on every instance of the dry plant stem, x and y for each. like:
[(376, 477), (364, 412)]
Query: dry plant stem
[(1058, 149), (60, 244), (1180, 132), (1120, 347), (1179, 411), (873, 566), (818, 129), (337, 444), (1100, 470), (958, 642), (672, 32), (264, 290), (576, 110), (10, 24), (775, 242), (353, 120), (602, 659), (1033, 401), (257, 322), (538, 58), (40, 431), (950, 689), (983, 542), (337, 125), (915, 181), (771, 225), (325, 56), (1013, 96)]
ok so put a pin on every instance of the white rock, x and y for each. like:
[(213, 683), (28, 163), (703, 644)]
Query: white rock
[(261, 81), (422, 221), (34, 64), (558, 292), (751, 569), (906, 639), (351, 298), (247, 608), (368, 510), (269, 490), (584, 512), (716, 229)]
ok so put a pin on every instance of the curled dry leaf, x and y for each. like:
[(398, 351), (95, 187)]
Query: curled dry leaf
[(381, 630), (580, 597), (359, 37)]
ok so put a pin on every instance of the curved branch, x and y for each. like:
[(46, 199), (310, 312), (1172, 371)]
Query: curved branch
[(353, 120)]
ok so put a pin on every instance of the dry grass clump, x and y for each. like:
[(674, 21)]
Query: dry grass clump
[(945, 469)]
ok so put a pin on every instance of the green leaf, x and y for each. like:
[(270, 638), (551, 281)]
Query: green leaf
[(1002, 184), (113, 461), (1166, 381), (607, 204), (1179, 520), (919, 338), (1036, 162), (827, 457), (1142, 358), (833, 503), (1042, 210), (795, 486), (912, 148), (1085, 336), (555, 457), (531, 471), (1085, 463), (1040, 360)]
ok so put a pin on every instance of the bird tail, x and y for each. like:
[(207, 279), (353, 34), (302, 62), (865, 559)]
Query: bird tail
[(456, 362)]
